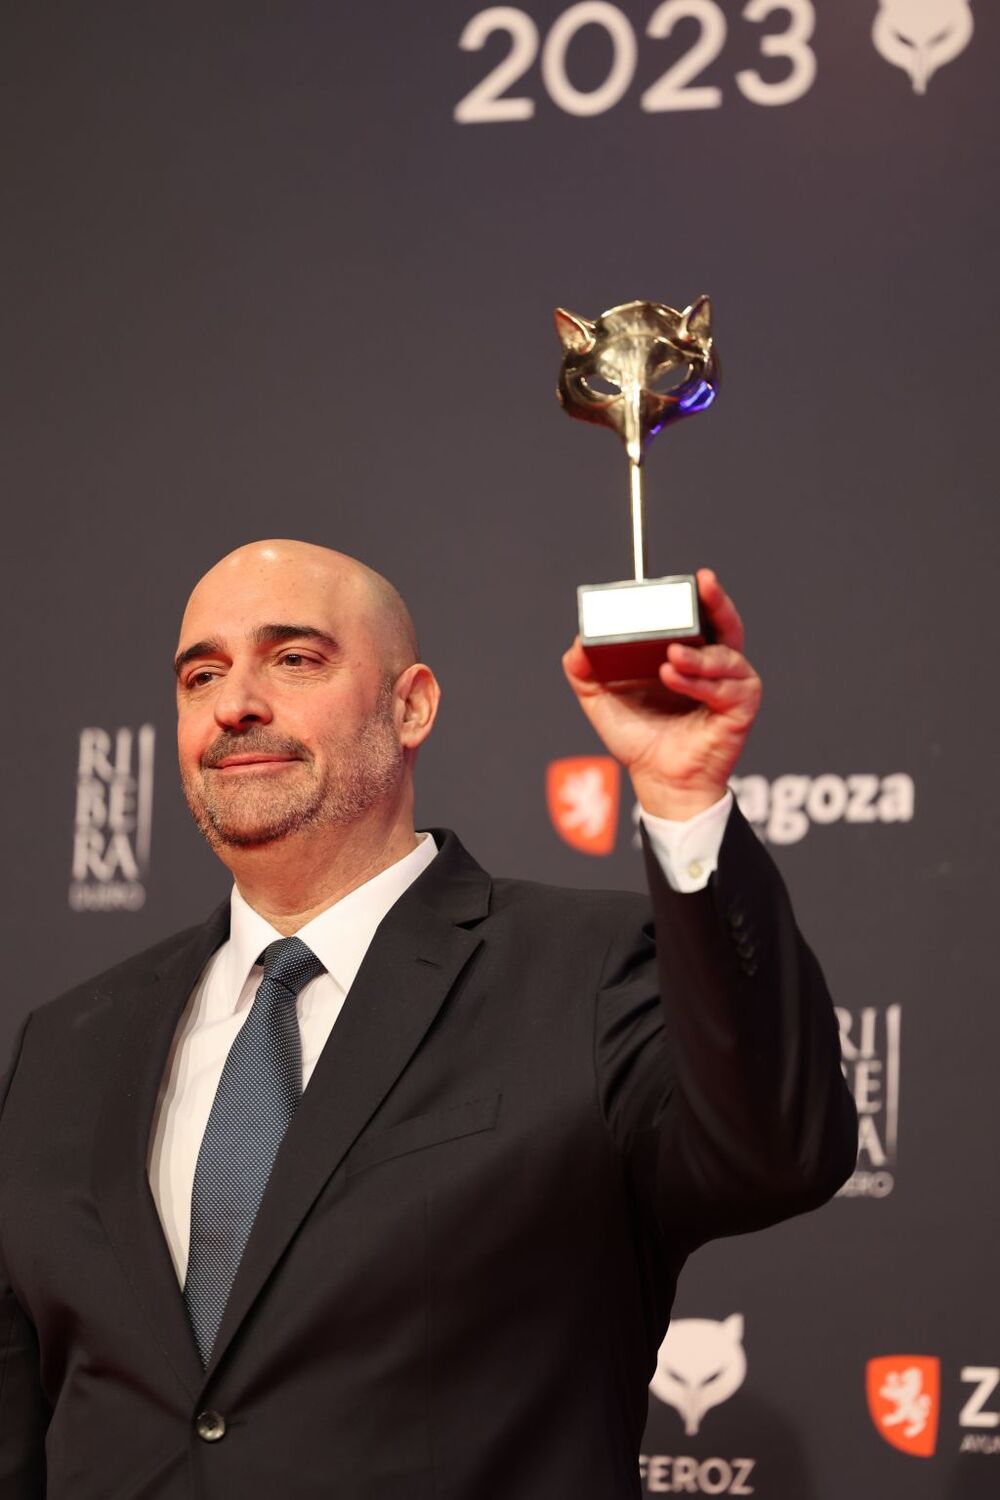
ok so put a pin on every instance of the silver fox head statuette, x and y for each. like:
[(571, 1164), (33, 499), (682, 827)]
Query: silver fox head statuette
[(617, 371)]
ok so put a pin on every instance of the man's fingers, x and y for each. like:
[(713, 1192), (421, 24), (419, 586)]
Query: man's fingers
[(576, 664), (709, 661), (722, 611), (715, 663), (722, 694)]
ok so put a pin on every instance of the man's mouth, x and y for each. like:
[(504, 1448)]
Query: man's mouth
[(258, 762)]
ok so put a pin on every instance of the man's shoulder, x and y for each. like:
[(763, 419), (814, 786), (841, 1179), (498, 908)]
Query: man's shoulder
[(603, 908), (456, 884)]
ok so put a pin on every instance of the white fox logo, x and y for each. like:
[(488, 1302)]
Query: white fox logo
[(920, 35), (699, 1365)]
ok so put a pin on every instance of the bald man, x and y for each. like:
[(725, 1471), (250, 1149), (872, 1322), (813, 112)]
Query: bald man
[(379, 1182)]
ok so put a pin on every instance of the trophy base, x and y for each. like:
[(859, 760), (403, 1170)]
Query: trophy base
[(625, 627)]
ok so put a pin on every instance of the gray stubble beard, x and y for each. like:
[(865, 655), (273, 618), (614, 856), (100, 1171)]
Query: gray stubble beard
[(367, 772)]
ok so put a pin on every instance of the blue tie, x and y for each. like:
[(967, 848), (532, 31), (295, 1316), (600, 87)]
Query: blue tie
[(258, 1093)]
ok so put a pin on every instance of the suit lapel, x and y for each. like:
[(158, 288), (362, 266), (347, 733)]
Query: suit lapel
[(147, 1018), (415, 959)]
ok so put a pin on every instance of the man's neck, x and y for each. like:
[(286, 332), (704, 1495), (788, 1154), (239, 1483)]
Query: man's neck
[(290, 882)]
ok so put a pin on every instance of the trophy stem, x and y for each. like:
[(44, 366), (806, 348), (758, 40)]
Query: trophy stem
[(638, 518)]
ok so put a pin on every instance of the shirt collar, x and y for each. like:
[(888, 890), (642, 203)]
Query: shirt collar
[(340, 936)]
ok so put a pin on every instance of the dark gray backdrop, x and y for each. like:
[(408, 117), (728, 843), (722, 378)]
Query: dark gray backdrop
[(258, 280)]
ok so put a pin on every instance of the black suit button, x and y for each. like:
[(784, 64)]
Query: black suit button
[(750, 967), (736, 917), (210, 1426), (745, 946)]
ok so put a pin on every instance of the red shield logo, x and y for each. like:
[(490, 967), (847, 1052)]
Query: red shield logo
[(582, 792), (904, 1397)]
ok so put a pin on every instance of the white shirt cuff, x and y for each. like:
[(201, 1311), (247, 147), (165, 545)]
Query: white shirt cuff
[(688, 852)]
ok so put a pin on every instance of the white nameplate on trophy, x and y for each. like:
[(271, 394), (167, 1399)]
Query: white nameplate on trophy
[(630, 609)]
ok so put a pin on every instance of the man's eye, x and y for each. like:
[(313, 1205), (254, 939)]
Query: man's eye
[(296, 659), (198, 679)]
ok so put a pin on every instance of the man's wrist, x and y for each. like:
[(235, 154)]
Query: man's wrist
[(677, 804)]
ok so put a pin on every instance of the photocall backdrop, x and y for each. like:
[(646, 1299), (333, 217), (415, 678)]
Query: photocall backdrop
[(290, 270)]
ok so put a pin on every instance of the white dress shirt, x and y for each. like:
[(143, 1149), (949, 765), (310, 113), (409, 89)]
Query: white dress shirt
[(340, 937)]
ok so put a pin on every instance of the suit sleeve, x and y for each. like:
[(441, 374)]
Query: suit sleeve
[(718, 1056), (23, 1410)]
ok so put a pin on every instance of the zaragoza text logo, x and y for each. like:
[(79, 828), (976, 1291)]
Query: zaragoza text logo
[(583, 794), (905, 1401), (783, 810), (904, 1398), (113, 822)]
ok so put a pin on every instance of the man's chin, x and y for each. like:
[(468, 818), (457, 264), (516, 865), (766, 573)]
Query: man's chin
[(246, 838), (225, 831)]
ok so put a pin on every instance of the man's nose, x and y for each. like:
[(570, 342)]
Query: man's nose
[(241, 700)]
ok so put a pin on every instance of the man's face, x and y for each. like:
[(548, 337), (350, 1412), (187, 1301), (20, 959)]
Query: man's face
[(285, 710)]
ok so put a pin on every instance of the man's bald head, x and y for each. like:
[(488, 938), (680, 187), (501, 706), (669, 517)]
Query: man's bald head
[(301, 700), (311, 572)]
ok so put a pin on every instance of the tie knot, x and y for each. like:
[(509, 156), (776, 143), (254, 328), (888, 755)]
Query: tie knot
[(290, 963)]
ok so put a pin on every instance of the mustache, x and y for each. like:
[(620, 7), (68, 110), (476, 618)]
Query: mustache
[(252, 742)]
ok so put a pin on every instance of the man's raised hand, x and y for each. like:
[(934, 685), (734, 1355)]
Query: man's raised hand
[(680, 737)]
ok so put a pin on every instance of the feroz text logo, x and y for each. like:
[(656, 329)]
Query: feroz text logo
[(700, 1364), (113, 821)]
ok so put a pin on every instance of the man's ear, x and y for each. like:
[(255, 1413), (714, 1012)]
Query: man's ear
[(418, 695)]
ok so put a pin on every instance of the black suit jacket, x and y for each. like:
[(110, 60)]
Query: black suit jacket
[(525, 1118)]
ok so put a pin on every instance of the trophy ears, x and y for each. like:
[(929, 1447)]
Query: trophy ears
[(696, 320), (576, 334)]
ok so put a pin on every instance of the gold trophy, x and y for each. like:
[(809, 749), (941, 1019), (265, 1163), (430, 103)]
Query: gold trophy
[(636, 369)]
